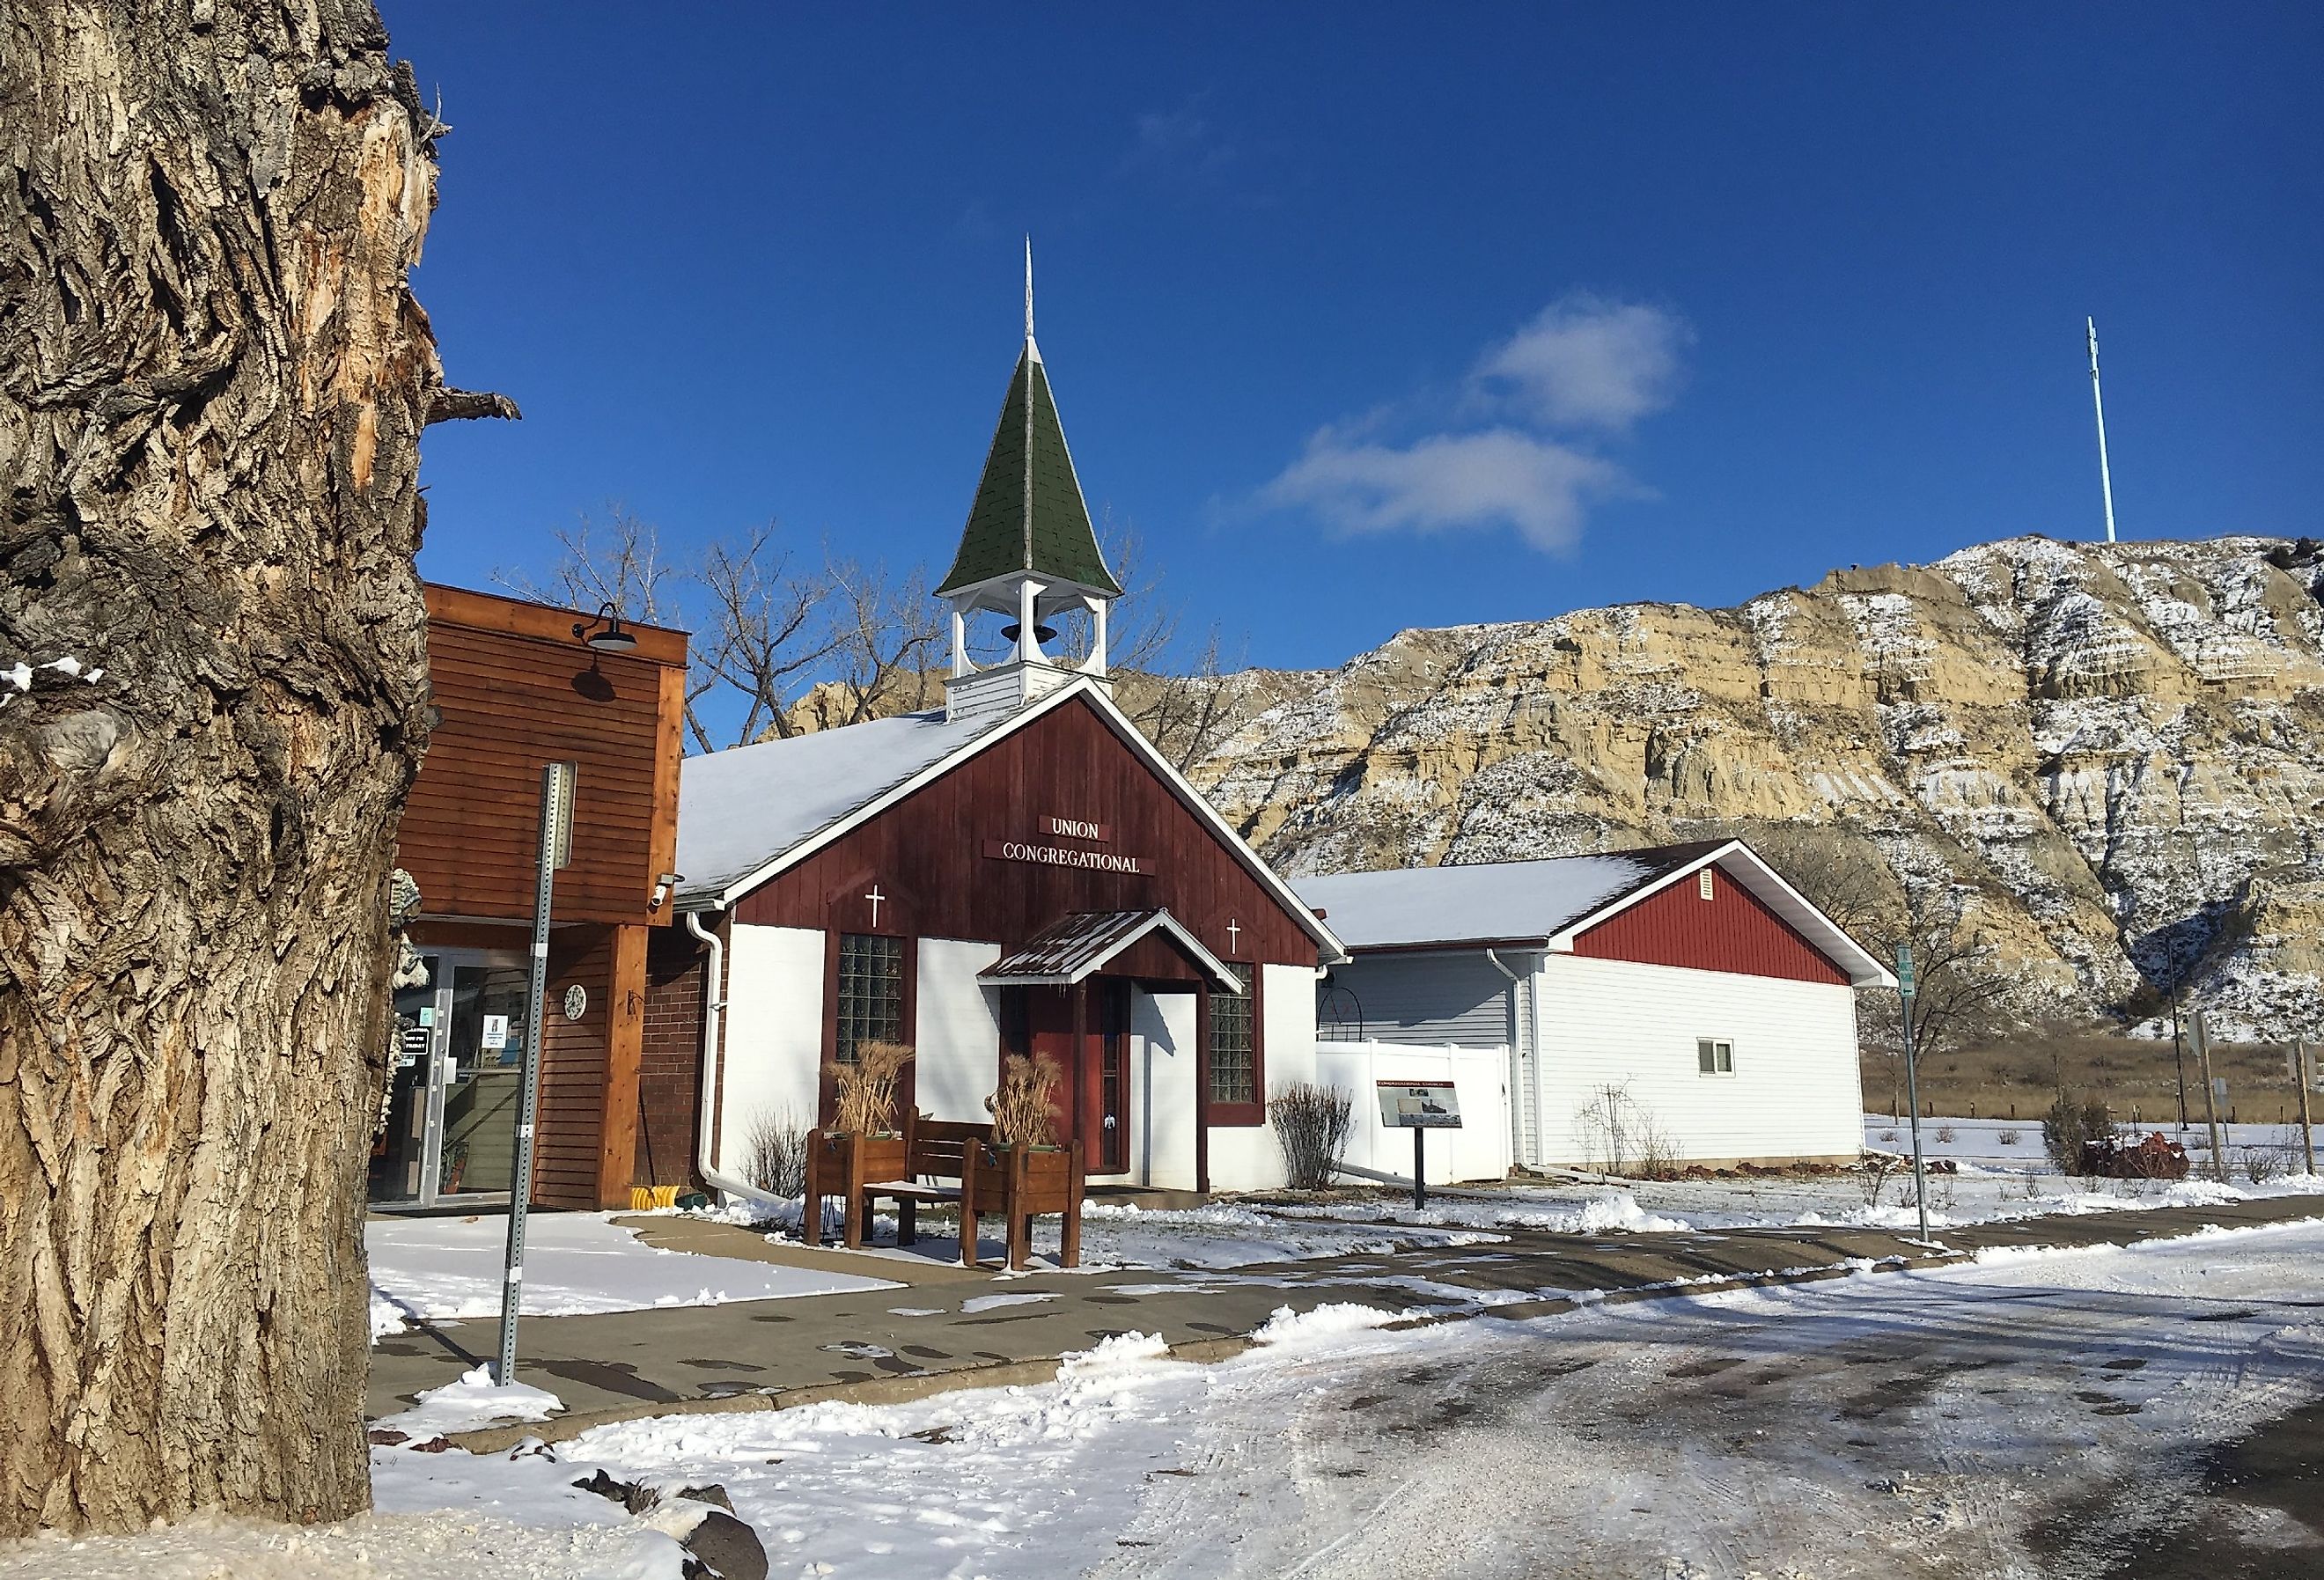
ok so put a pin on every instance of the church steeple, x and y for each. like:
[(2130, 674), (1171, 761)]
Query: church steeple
[(1028, 514), (1029, 549)]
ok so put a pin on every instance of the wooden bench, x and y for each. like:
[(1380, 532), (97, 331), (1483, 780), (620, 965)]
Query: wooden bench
[(938, 1160)]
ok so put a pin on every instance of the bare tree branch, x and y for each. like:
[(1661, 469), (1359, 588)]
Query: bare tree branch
[(450, 406), (764, 632), (884, 640)]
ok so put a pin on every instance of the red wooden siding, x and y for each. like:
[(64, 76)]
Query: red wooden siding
[(926, 854), (573, 1069), (514, 691), (1733, 930)]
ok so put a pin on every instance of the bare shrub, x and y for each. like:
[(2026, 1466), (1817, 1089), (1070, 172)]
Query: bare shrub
[(1619, 1134), (774, 1153), (2260, 1164), (1889, 1136), (867, 1086), (1873, 1174), (1312, 1123), (1020, 1109), (2010, 1137), (2069, 1126), (1658, 1153), (1945, 1132)]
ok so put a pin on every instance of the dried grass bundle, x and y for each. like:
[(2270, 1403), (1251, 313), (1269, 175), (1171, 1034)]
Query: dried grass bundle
[(867, 1088), (1020, 1109)]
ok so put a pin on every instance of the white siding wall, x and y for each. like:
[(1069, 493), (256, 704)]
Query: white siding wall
[(1795, 1090), (1162, 1105), (958, 1030), (1479, 1150), (1248, 1157), (1429, 999), (774, 1032)]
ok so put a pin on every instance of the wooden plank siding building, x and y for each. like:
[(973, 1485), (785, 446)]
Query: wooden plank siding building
[(515, 686), (1691, 977)]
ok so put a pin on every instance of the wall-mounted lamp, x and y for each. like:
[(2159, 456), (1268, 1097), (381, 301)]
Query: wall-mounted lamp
[(662, 886), (606, 633)]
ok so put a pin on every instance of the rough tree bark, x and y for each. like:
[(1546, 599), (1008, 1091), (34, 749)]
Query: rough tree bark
[(213, 694)]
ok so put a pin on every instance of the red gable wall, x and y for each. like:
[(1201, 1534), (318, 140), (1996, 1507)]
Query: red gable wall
[(928, 854), (1733, 930)]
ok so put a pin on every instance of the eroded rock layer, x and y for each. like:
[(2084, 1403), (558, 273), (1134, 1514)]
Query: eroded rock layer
[(2116, 751)]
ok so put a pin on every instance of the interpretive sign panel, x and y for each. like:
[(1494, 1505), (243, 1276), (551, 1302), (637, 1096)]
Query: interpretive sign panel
[(1419, 1105)]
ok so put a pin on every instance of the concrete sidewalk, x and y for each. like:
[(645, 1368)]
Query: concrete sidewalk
[(956, 1327)]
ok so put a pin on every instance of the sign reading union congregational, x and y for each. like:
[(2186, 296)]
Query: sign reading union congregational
[(1065, 856)]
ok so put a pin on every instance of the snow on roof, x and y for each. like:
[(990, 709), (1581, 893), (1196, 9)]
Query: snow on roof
[(1488, 901), (741, 809)]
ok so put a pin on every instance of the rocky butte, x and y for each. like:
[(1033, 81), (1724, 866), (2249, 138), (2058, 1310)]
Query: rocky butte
[(2112, 755)]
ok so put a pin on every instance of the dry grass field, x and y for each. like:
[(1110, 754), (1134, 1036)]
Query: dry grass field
[(2020, 1076)]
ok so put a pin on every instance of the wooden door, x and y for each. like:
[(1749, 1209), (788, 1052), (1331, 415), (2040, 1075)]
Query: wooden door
[(1086, 1030), (1110, 1030)]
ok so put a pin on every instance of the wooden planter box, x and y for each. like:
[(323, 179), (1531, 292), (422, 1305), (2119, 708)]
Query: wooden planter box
[(1021, 1184), (841, 1163)]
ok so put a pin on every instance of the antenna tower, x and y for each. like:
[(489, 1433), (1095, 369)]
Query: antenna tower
[(2097, 401)]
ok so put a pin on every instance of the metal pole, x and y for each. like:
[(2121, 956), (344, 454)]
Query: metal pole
[(2299, 1079), (2178, 1043), (1419, 1167), (2198, 1032), (1912, 1084), (555, 850), (2097, 401)]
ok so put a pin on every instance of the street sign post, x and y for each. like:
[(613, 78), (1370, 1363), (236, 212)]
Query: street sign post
[(1419, 1106), (557, 780), (1912, 1085)]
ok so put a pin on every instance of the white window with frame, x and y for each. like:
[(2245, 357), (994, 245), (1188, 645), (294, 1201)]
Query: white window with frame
[(1714, 1056)]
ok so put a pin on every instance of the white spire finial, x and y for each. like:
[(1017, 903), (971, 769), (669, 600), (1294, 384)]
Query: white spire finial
[(1028, 288)]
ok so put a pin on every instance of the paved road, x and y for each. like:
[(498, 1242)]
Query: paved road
[(2147, 1417), (926, 1336)]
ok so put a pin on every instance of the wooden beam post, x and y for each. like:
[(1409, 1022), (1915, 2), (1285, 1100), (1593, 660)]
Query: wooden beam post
[(625, 1037), (1082, 1083)]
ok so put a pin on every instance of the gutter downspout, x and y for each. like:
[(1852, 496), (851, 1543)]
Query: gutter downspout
[(713, 1072), (1523, 1074)]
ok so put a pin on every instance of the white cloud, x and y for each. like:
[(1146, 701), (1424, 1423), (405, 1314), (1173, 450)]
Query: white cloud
[(1580, 374), (1586, 362), (1180, 143), (1449, 481)]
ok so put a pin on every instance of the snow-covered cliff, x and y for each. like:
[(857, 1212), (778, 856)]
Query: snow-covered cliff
[(2116, 751)]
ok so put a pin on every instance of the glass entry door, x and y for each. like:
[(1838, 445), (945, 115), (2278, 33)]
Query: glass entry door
[(454, 1093)]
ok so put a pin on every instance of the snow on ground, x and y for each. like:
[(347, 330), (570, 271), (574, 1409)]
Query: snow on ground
[(2002, 1418), (475, 1401), (1994, 1181), (574, 1262), (1225, 1235)]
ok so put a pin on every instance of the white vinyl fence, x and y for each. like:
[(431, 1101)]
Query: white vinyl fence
[(1479, 1150)]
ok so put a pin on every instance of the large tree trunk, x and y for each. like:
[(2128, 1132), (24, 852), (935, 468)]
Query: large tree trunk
[(212, 382)]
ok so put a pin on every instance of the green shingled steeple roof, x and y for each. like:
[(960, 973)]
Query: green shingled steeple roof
[(1028, 514)]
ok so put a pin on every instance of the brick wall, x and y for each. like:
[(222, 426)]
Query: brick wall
[(669, 1074)]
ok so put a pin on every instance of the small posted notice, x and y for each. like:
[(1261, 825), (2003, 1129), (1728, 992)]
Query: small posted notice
[(495, 1032), (1419, 1105)]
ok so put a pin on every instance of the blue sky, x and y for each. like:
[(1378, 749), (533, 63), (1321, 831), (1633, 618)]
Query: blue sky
[(1371, 318)]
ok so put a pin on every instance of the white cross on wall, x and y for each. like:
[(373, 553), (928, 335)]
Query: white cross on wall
[(1234, 930), (875, 897)]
